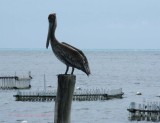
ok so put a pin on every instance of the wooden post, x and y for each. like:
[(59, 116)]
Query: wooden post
[(65, 90)]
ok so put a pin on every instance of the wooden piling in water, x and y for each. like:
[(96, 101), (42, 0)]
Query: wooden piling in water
[(65, 90)]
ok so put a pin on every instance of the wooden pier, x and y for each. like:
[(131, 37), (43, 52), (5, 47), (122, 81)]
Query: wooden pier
[(144, 112), (15, 82), (79, 95)]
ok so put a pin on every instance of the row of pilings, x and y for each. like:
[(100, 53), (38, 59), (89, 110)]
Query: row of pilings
[(149, 111), (14, 82), (78, 95)]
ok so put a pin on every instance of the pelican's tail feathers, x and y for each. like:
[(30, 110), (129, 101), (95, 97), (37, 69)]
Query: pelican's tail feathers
[(87, 69)]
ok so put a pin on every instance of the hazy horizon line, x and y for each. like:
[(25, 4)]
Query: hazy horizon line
[(38, 49)]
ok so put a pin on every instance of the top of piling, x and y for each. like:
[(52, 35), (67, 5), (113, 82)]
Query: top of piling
[(66, 75)]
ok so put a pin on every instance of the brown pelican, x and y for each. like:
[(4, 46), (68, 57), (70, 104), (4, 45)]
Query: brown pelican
[(69, 55)]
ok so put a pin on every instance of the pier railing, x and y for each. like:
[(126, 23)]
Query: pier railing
[(79, 95), (149, 111)]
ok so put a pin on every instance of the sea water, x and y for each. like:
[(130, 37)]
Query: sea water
[(132, 70)]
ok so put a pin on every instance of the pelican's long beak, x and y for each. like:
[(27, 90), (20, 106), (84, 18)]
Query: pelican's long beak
[(49, 35)]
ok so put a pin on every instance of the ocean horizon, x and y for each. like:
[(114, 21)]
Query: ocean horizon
[(49, 49)]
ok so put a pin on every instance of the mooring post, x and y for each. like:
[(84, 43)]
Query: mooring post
[(65, 90)]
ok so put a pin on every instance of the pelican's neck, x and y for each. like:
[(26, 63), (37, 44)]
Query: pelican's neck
[(53, 37)]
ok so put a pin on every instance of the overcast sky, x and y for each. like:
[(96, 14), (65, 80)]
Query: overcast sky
[(86, 24)]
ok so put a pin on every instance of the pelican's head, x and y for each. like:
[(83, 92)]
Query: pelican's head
[(52, 26)]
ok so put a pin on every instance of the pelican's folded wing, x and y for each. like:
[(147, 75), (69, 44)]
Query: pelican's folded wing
[(75, 49), (85, 61)]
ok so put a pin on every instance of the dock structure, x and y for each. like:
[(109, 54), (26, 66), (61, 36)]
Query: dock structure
[(15, 82), (79, 95), (144, 112)]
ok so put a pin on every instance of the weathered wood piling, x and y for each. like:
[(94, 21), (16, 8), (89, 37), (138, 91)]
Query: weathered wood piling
[(66, 84)]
